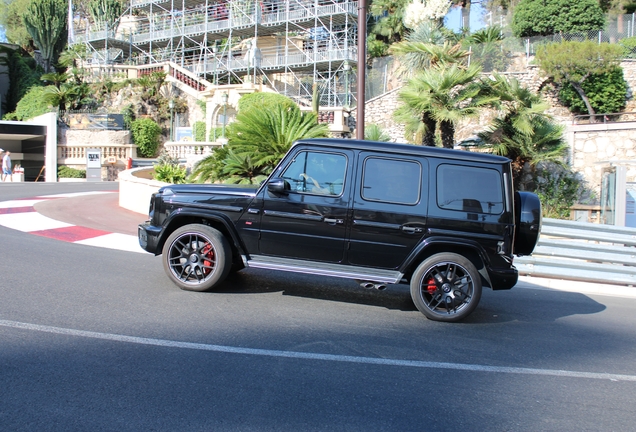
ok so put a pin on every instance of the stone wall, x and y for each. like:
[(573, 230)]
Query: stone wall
[(595, 147)]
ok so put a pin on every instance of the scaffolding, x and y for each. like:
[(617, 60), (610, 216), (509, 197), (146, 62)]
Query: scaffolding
[(288, 45)]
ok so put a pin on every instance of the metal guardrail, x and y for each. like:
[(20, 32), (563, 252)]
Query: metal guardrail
[(582, 251)]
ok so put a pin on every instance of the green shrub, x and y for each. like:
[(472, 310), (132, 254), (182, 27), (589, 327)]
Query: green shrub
[(31, 105), (606, 93), (215, 133), (145, 134), (629, 47), (68, 172), (170, 173), (558, 188), (263, 101), (198, 131)]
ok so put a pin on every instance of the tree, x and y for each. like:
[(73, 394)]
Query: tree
[(31, 105), (575, 62), (239, 169), (487, 48), (46, 22), (386, 26), (106, 12), (267, 135), (607, 93), (145, 134), (443, 95), (22, 74), (427, 46), (373, 132), (257, 141), (547, 17), (11, 14), (523, 132)]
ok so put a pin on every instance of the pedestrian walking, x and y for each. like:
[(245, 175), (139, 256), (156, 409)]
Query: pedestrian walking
[(6, 166)]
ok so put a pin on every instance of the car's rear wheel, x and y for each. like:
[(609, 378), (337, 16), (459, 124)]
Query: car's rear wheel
[(446, 287), (197, 257)]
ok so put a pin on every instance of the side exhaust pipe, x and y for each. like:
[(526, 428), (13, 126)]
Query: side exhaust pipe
[(370, 285)]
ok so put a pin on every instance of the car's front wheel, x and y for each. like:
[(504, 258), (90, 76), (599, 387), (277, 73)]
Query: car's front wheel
[(446, 287), (197, 257)]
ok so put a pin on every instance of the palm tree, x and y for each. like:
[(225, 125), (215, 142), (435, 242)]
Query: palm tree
[(518, 104), (373, 132), (267, 135), (239, 169), (544, 144), (257, 140), (444, 95), (524, 132), (55, 78), (427, 46)]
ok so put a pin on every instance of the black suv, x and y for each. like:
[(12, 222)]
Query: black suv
[(447, 222)]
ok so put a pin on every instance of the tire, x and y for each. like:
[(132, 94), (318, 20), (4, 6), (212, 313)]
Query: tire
[(197, 257), (446, 287)]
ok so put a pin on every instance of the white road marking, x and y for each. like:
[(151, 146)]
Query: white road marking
[(75, 194), (117, 241), (316, 356), (20, 203), (30, 221)]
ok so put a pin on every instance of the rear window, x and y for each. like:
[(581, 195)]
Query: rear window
[(469, 189)]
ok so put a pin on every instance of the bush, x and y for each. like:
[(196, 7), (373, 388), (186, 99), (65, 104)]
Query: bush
[(145, 134), (68, 172), (215, 133), (170, 173), (606, 93), (31, 105), (629, 47), (263, 101), (198, 131), (558, 189), (547, 17)]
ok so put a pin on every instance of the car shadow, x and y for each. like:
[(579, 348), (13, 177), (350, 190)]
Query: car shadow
[(532, 303)]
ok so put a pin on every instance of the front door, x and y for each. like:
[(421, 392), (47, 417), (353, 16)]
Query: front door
[(310, 220)]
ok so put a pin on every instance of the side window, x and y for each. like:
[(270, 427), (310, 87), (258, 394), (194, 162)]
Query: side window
[(391, 180), (469, 189), (317, 173)]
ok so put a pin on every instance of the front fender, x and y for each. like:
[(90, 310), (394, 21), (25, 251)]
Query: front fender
[(217, 220)]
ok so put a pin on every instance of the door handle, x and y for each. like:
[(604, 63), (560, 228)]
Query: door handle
[(333, 221), (412, 230)]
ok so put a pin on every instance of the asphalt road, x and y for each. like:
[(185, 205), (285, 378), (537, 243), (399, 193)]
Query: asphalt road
[(96, 339)]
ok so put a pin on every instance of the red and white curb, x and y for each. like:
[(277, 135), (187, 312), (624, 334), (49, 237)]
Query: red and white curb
[(21, 215)]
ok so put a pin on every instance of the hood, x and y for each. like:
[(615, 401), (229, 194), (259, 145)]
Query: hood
[(209, 189)]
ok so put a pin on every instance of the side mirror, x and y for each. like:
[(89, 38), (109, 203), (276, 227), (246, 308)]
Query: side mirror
[(278, 186)]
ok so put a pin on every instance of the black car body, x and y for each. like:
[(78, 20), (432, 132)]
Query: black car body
[(442, 220)]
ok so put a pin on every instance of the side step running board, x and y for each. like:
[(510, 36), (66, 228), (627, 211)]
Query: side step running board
[(323, 269)]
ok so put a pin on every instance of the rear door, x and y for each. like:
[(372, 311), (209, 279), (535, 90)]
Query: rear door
[(389, 209), (310, 220)]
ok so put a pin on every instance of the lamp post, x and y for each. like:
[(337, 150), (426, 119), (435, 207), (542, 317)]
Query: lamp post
[(362, 59), (171, 106), (346, 68), (224, 98)]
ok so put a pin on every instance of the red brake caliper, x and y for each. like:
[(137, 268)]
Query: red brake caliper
[(207, 252), (430, 286)]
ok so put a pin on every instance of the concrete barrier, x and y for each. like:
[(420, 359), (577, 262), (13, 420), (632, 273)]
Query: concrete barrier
[(135, 192)]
